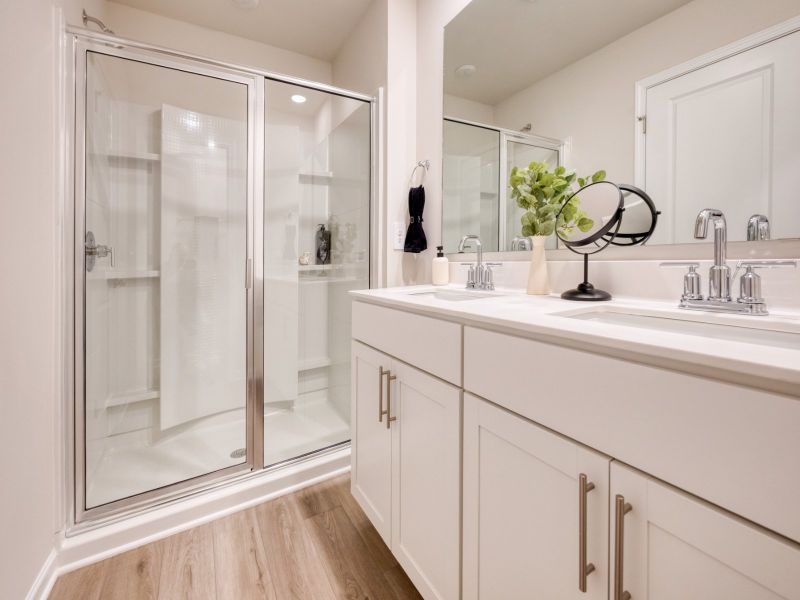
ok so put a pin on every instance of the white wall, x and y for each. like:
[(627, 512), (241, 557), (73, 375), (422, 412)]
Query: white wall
[(29, 308), (401, 134), (432, 16), (360, 64), (468, 110), (148, 27), (592, 101)]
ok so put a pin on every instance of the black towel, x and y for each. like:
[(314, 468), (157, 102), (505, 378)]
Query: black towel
[(415, 236)]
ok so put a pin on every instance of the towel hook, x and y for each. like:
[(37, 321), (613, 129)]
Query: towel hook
[(425, 165)]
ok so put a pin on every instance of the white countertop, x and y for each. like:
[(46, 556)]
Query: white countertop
[(512, 311)]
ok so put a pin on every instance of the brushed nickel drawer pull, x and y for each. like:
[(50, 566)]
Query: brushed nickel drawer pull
[(621, 509), (584, 487), (381, 412), (389, 417)]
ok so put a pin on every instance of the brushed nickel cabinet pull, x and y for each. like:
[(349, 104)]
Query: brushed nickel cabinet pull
[(381, 412), (621, 509), (389, 417), (584, 487)]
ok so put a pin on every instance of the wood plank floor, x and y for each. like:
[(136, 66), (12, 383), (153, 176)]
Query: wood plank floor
[(313, 544)]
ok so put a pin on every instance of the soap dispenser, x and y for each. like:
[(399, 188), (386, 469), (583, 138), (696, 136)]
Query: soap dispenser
[(440, 269)]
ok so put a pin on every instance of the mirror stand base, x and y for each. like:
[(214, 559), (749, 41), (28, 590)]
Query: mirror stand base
[(586, 292)]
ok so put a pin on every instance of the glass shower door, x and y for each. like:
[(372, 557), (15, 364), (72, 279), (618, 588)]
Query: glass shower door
[(165, 266), (316, 249)]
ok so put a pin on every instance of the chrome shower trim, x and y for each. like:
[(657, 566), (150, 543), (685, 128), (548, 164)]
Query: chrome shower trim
[(197, 487), (77, 42), (81, 47), (116, 41)]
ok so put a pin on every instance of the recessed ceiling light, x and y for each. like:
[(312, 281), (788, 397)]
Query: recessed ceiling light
[(465, 71), (298, 99), (246, 4)]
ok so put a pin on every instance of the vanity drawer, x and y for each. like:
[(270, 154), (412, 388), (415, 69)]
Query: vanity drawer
[(432, 345), (733, 446)]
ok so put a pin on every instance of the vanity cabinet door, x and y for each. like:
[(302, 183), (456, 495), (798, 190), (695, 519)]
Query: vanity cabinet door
[(677, 546), (426, 480), (522, 525), (371, 445)]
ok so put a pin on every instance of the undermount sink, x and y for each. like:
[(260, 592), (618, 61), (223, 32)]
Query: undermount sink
[(777, 335), (455, 295)]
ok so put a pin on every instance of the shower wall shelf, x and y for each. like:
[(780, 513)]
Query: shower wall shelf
[(133, 156), (113, 274), (132, 397), (309, 364), (316, 178)]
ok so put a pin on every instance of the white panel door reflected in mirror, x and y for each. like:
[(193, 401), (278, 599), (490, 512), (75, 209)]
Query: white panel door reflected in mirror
[(694, 106)]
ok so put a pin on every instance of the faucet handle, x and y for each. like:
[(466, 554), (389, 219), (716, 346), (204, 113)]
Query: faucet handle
[(471, 277), (750, 281), (488, 277), (692, 283), (762, 264), (766, 264)]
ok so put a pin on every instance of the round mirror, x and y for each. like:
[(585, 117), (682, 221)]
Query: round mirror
[(589, 219), (586, 224), (640, 218)]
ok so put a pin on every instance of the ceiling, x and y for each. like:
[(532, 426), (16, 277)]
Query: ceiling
[(315, 28), (515, 43)]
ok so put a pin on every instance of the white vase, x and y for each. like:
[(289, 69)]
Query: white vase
[(538, 281)]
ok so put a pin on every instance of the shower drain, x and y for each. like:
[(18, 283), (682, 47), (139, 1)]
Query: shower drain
[(239, 453)]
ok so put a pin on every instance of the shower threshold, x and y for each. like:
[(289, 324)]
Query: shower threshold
[(130, 464)]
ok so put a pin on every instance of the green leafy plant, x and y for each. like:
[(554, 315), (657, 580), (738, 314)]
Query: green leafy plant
[(542, 192)]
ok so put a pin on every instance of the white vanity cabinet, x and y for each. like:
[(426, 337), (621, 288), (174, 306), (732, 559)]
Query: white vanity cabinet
[(677, 546), (521, 497), (406, 466), (524, 532), (371, 450)]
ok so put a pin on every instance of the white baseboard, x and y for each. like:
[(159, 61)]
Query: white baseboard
[(45, 579), (97, 544)]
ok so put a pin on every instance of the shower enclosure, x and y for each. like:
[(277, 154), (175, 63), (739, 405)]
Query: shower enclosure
[(210, 338)]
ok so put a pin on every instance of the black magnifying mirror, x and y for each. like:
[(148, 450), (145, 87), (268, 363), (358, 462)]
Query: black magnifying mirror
[(640, 219), (587, 223)]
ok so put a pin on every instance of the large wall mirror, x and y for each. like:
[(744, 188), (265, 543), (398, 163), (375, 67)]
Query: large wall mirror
[(694, 101)]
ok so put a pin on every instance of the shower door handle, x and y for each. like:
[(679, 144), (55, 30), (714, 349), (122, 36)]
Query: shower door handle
[(94, 251)]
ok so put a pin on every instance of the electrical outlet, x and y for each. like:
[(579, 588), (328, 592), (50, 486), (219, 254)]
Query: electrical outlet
[(399, 236)]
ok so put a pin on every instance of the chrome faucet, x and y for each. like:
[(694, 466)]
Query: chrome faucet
[(719, 275), (480, 274), (757, 228), (749, 301)]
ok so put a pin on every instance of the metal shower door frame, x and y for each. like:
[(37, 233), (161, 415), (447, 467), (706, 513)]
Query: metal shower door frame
[(81, 46), (78, 42)]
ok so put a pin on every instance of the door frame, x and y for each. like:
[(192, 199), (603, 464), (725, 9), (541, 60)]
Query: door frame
[(76, 43), (81, 47), (642, 86)]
